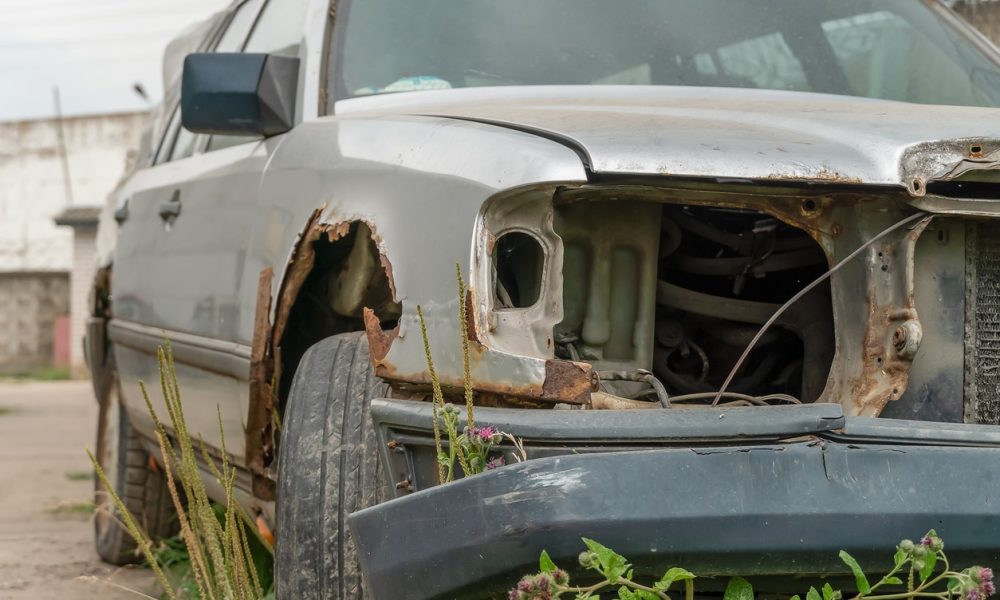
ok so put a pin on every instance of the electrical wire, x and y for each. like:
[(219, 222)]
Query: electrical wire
[(803, 292), (755, 400)]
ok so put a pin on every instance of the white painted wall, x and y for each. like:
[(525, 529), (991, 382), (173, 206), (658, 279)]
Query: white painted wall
[(32, 188)]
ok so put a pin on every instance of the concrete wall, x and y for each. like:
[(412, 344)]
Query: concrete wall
[(29, 305)]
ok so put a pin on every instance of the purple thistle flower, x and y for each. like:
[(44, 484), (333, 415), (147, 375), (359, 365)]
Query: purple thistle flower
[(485, 433), (986, 581), (495, 463), (927, 541), (973, 594)]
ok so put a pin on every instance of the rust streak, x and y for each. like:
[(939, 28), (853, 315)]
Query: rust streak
[(470, 318), (258, 432)]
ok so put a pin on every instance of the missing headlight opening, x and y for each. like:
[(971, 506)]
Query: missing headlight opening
[(681, 291), (519, 260)]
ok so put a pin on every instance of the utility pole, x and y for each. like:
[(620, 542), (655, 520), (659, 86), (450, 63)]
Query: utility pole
[(67, 182)]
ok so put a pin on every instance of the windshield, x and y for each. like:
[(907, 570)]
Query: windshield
[(891, 49)]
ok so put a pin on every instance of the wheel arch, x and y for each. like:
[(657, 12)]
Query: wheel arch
[(336, 278)]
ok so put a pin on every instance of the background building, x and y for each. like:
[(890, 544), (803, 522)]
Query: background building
[(38, 258)]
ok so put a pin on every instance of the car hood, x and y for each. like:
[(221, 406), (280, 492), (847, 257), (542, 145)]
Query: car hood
[(726, 132)]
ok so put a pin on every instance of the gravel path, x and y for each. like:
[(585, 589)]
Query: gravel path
[(46, 546)]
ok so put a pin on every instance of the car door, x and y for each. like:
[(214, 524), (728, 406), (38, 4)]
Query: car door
[(178, 267)]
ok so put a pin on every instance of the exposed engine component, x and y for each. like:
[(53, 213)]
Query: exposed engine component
[(723, 273), (702, 280)]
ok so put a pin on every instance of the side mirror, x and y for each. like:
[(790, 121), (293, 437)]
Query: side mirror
[(239, 94)]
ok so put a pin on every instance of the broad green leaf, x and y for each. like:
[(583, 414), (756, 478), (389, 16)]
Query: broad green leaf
[(795, 597), (644, 595), (674, 574), (613, 565), (930, 560), (739, 589), (626, 594), (545, 563), (893, 581), (900, 557), (812, 594), (859, 576), (954, 584)]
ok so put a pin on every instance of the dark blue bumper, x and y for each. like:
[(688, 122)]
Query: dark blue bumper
[(751, 508)]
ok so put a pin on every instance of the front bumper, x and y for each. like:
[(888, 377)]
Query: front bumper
[(753, 506)]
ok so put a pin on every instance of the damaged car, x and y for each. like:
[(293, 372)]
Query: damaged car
[(733, 282)]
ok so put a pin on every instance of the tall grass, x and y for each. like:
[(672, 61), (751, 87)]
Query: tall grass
[(218, 539)]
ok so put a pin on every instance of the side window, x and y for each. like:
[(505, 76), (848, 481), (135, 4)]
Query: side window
[(178, 142), (232, 40), (169, 136), (279, 28), (239, 26), (278, 31)]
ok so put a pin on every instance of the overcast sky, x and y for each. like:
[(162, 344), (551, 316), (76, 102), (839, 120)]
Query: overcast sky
[(94, 50)]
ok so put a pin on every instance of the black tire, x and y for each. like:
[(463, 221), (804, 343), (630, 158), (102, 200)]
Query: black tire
[(141, 487), (327, 468)]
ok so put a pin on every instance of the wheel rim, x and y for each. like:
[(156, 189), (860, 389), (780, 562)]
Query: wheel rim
[(108, 457)]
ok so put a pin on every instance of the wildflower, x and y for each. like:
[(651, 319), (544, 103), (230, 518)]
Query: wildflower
[(906, 546), (979, 585), (495, 463), (538, 587), (986, 581), (927, 541), (983, 577), (487, 433), (587, 559)]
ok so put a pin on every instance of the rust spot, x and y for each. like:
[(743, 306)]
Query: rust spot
[(824, 175), (567, 381), (265, 531), (379, 341), (884, 375), (470, 317)]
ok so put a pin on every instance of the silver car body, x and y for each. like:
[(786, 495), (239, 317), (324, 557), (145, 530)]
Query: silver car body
[(437, 177)]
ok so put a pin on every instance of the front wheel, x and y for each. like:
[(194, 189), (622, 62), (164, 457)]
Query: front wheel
[(135, 478), (327, 469)]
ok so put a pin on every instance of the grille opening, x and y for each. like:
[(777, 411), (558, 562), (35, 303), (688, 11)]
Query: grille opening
[(686, 294)]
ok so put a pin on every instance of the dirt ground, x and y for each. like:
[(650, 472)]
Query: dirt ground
[(46, 548)]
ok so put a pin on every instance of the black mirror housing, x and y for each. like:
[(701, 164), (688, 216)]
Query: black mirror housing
[(239, 94)]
